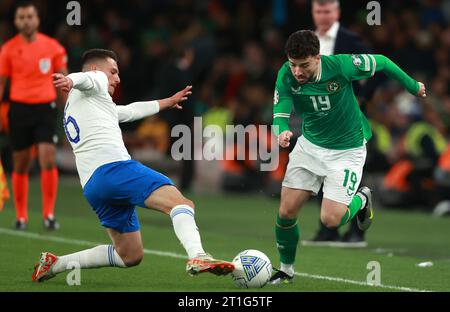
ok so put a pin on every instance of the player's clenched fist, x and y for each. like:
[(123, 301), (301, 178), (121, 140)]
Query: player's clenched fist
[(284, 139), (422, 91), (63, 82)]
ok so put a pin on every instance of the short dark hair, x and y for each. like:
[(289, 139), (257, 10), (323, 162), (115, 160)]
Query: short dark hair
[(302, 44), (26, 4), (322, 2), (97, 54)]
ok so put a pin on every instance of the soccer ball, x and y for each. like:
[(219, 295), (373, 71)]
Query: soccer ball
[(252, 269)]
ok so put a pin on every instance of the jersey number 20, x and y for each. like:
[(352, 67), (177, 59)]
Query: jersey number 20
[(72, 129)]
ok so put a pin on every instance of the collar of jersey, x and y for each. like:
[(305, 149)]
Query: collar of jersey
[(319, 71)]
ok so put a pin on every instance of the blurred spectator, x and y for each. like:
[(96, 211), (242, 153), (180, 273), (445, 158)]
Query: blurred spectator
[(409, 182)]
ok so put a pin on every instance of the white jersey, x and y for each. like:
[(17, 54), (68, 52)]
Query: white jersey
[(91, 122)]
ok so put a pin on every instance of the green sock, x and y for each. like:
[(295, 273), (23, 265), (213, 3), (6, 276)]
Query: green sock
[(352, 210), (287, 233)]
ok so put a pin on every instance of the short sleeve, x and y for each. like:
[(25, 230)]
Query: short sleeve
[(5, 63), (358, 66), (60, 58)]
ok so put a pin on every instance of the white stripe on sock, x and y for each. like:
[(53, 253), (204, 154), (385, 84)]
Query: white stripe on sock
[(97, 257)]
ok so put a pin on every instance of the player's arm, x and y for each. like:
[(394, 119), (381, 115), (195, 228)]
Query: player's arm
[(282, 107), (139, 110), (391, 69), (2, 91), (2, 86), (61, 95), (368, 88), (90, 82), (5, 72), (60, 66), (361, 66)]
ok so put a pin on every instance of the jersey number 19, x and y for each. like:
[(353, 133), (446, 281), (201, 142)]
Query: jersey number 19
[(321, 103)]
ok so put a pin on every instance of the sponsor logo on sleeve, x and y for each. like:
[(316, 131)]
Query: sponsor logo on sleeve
[(276, 97), (356, 59)]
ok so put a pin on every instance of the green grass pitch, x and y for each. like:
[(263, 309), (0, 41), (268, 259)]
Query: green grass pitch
[(228, 224)]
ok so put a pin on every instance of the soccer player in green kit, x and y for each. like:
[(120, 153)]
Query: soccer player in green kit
[(331, 149)]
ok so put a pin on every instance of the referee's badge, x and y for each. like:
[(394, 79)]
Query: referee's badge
[(44, 65)]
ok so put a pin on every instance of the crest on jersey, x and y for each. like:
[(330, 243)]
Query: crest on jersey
[(333, 86), (276, 97), (356, 59), (44, 65)]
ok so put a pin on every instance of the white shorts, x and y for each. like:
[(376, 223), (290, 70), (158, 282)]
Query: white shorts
[(340, 171)]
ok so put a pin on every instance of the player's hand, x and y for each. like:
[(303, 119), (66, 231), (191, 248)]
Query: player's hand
[(63, 82), (180, 97), (284, 139), (422, 91)]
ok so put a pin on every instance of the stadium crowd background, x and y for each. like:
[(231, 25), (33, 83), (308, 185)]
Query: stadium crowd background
[(230, 51)]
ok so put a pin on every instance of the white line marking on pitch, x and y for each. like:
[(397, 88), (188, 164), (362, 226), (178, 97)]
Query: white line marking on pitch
[(57, 239)]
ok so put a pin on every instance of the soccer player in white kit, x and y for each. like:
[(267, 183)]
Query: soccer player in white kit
[(113, 183)]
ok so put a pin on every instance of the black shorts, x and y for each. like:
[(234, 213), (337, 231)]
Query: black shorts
[(32, 123)]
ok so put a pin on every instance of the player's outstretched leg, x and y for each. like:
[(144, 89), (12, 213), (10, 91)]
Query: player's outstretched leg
[(185, 227), (101, 256), (169, 200)]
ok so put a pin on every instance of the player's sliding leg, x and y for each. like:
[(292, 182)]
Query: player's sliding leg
[(126, 251), (169, 200), (334, 214), (287, 232)]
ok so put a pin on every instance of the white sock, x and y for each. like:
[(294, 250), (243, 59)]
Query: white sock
[(287, 268), (363, 200), (186, 230), (97, 257)]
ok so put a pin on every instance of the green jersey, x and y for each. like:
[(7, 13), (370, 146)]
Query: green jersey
[(331, 117)]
